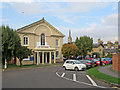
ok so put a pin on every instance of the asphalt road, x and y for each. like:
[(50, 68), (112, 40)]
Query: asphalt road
[(48, 77)]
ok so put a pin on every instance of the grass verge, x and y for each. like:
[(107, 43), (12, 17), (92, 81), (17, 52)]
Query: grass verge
[(98, 75), (13, 66)]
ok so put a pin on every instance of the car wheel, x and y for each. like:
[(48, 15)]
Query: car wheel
[(76, 69), (64, 68)]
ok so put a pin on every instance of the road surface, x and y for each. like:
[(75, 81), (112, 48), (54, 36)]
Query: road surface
[(49, 77)]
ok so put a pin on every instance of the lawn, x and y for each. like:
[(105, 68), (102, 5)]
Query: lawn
[(98, 75)]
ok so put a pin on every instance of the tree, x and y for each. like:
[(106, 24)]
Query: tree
[(85, 44), (11, 45), (23, 52), (17, 45), (109, 55), (7, 45), (96, 54), (69, 49), (77, 43)]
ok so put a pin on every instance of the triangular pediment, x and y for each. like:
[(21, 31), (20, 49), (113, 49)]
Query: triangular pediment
[(54, 30)]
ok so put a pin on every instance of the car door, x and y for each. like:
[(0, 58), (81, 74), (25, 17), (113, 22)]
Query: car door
[(71, 65), (67, 64)]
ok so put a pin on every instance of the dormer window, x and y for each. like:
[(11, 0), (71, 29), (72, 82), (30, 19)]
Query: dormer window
[(42, 39), (25, 41)]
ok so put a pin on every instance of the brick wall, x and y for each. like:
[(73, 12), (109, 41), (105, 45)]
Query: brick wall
[(116, 61)]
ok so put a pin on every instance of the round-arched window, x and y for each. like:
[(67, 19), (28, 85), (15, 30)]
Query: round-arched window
[(42, 39)]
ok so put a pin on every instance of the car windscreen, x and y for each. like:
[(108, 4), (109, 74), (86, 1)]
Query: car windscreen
[(89, 61), (83, 61), (77, 62)]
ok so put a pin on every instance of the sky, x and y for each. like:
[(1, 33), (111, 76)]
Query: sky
[(95, 19)]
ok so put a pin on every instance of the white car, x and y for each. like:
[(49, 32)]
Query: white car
[(74, 65)]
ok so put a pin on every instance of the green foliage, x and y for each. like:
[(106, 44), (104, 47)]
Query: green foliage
[(69, 49), (23, 52), (109, 55), (11, 46), (7, 45), (85, 44), (96, 53)]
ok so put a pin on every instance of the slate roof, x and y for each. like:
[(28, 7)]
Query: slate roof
[(97, 45), (110, 50)]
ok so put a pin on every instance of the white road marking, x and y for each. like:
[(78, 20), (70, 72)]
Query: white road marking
[(94, 84), (80, 81), (74, 77), (63, 75)]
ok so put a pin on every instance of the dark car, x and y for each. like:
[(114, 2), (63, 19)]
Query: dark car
[(79, 57), (87, 62), (73, 57), (94, 64), (64, 59)]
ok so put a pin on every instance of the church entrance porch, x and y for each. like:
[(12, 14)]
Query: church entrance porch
[(45, 56)]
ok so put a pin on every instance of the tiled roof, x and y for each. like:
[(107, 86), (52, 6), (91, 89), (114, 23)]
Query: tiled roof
[(97, 45)]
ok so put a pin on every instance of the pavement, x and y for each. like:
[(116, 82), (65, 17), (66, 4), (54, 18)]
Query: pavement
[(50, 77), (108, 70)]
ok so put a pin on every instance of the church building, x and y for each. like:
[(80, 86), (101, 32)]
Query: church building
[(44, 40)]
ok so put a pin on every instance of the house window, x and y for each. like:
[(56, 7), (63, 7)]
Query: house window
[(57, 54), (42, 39), (25, 42), (57, 42)]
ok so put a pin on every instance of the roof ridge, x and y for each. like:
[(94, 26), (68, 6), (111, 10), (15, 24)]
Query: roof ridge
[(38, 22), (29, 25)]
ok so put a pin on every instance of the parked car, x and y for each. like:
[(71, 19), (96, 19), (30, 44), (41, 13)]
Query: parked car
[(74, 65), (110, 60), (97, 62), (64, 59), (87, 62), (79, 57), (73, 57), (94, 64), (89, 58), (104, 61)]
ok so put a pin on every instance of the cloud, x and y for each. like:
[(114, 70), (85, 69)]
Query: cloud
[(106, 31), (68, 19), (1, 20), (84, 6), (29, 9), (111, 20), (54, 8), (24, 1), (29, 1)]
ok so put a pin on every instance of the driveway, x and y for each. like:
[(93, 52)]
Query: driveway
[(49, 77)]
